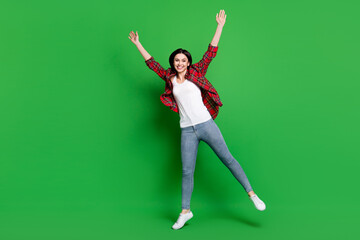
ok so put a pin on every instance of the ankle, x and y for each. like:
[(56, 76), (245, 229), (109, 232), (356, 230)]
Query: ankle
[(185, 211), (251, 193)]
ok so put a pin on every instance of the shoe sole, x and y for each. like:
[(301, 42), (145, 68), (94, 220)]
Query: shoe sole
[(184, 223)]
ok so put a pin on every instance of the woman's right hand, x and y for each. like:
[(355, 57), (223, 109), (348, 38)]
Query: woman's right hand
[(134, 37)]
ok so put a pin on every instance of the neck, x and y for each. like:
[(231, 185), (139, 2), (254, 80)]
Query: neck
[(181, 75)]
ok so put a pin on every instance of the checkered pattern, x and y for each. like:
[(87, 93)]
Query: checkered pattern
[(196, 74)]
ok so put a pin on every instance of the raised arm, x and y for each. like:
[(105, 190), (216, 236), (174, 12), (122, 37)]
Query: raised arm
[(220, 19), (203, 64), (134, 38), (149, 60)]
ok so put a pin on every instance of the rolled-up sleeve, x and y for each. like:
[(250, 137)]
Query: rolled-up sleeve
[(212, 48), (203, 64), (156, 67)]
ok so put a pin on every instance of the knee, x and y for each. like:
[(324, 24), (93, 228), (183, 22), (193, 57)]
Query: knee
[(228, 160), (187, 172)]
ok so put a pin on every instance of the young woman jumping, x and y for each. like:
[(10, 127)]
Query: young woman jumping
[(192, 96)]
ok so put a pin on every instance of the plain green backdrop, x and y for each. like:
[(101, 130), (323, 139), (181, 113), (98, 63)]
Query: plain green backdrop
[(88, 150)]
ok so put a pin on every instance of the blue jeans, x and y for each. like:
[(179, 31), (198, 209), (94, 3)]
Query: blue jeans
[(210, 133)]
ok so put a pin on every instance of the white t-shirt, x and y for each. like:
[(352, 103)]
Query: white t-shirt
[(191, 106)]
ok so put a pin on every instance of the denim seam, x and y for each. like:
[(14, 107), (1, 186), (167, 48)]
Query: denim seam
[(197, 136)]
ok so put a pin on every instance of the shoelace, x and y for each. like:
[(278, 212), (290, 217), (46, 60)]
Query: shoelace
[(260, 202), (257, 200), (180, 218)]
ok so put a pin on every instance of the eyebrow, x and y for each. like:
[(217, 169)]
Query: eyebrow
[(180, 59)]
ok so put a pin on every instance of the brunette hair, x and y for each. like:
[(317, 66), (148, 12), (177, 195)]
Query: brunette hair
[(172, 56)]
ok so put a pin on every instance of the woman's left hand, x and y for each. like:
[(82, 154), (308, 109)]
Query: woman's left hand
[(220, 18)]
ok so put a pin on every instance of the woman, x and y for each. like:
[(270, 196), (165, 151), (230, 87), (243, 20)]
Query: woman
[(190, 94)]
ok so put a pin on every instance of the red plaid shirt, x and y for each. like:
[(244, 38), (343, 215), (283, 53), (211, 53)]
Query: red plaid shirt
[(196, 74)]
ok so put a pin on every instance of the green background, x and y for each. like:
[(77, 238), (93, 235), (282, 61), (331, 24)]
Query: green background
[(88, 150)]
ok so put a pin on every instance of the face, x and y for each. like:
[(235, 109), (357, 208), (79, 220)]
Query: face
[(181, 62)]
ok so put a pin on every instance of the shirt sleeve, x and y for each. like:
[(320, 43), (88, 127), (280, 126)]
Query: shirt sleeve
[(203, 64), (156, 67)]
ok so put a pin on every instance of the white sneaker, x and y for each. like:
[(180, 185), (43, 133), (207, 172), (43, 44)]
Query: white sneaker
[(183, 218), (260, 205)]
